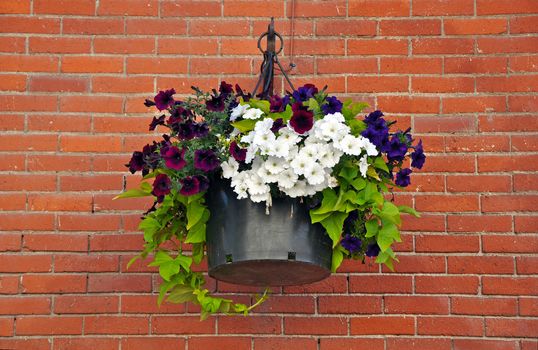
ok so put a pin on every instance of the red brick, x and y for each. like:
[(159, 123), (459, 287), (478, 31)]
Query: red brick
[(128, 7), (60, 202), (408, 27), (305, 8), (410, 65), (86, 304), (349, 305), (13, 201), (28, 103), (13, 82), (507, 163), (103, 144), (58, 84), (15, 6), (217, 27), (414, 264), (24, 306), (27, 221), (442, 7), (373, 8), (352, 27), (509, 244), (484, 344), (442, 46), (475, 26), (526, 223), (99, 104), (377, 84), (26, 343), (125, 242), (182, 325), (475, 223), (92, 26), (473, 65), (450, 326), (507, 45), (64, 7), (510, 286), (58, 123), (34, 283), (527, 265), (49, 325), (446, 284), (191, 46), (416, 305), (524, 143), (315, 325), (9, 284), (447, 243), (119, 283), (351, 343), (442, 84), (88, 223), (380, 284), (528, 306), (255, 8), (483, 306), (253, 324), (277, 343), (54, 242), (416, 343), (480, 265), (94, 182), (512, 327), (25, 263), (523, 63), (188, 8), (377, 47), (12, 24), (478, 183), (10, 242), (11, 122), (501, 203), (332, 284), (86, 343), (514, 83), (498, 7), (137, 304), (116, 325), (523, 103), (162, 65), (406, 104), (453, 203), (59, 45), (400, 325), (526, 24), (287, 304), (91, 64), (86, 263), (156, 26), (124, 45), (474, 104), (145, 343)]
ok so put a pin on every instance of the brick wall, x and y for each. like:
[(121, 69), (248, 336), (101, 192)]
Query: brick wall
[(462, 73)]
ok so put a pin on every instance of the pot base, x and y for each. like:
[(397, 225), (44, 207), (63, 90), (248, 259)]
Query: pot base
[(269, 272)]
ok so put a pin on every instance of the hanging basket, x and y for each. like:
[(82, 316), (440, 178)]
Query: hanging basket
[(247, 246)]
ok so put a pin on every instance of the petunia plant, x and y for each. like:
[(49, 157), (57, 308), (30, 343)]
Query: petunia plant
[(305, 144)]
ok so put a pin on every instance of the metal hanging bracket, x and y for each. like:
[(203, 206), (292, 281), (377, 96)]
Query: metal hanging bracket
[(270, 57)]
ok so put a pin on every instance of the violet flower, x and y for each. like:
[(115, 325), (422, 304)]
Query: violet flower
[(174, 158), (305, 93), (332, 106), (164, 99), (373, 250), (302, 119), (136, 163), (395, 149), (402, 177), (351, 243), (156, 121), (239, 154), (216, 103), (418, 157), (161, 187), (190, 186), (205, 160)]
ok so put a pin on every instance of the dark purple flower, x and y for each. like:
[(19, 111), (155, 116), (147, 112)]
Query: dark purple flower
[(204, 182), (239, 154), (239, 93), (161, 187), (164, 99), (216, 103), (418, 157), (395, 149), (178, 114), (200, 129), (352, 244), (373, 117), (373, 250), (277, 125), (377, 132), (205, 160), (305, 93), (225, 88), (149, 103), (156, 121), (350, 221), (173, 158), (190, 186), (302, 119), (278, 104), (332, 106), (136, 163), (402, 177), (185, 131)]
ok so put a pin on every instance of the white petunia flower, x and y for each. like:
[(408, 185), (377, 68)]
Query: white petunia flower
[(301, 164), (251, 153), (370, 148), (330, 157), (363, 165), (297, 190), (264, 126), (238, 111), (275, 165), (256, 185), (349, 145), (331, 181), (311, 151), (253, 113), (288, 136), (248, 137), (279, 149), (266, 175), (229, 168), (315, 174), (287, 179), (263, 197), (338, 117), (264, 139)]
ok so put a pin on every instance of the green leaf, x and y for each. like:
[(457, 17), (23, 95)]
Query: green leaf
[(195, 212), (372, 173), (359, 183), (379, 163), (134, 193), (181, 294), (372, 227), (312, 104), (338, 257), (184, 261), (334, 225), (163, 289), (391, 213), (356, 126), (150, 226), (327, 203), (244, 125), (196, 234), (264, 105), (349, 173), (409, 210), (197, 252)]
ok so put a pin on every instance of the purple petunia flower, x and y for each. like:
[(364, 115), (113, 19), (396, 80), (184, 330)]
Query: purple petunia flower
[(395, 149), (239, 154), (351, 243), (373, 117), (402, 177), (240, 93), (205, 160), (178, 114), (161, 187), (200, 129), (373, 250), (185, 131), (332, 106), (173, 158), (216, 103), (278, 104), (149, 103), (190, 186), (302, 119), (418, 157), (377, 132), (136, 163), (277, 125), (305, 93), (225, 89), (204, 182), (156, 121), (164, 99), (350, 220)]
